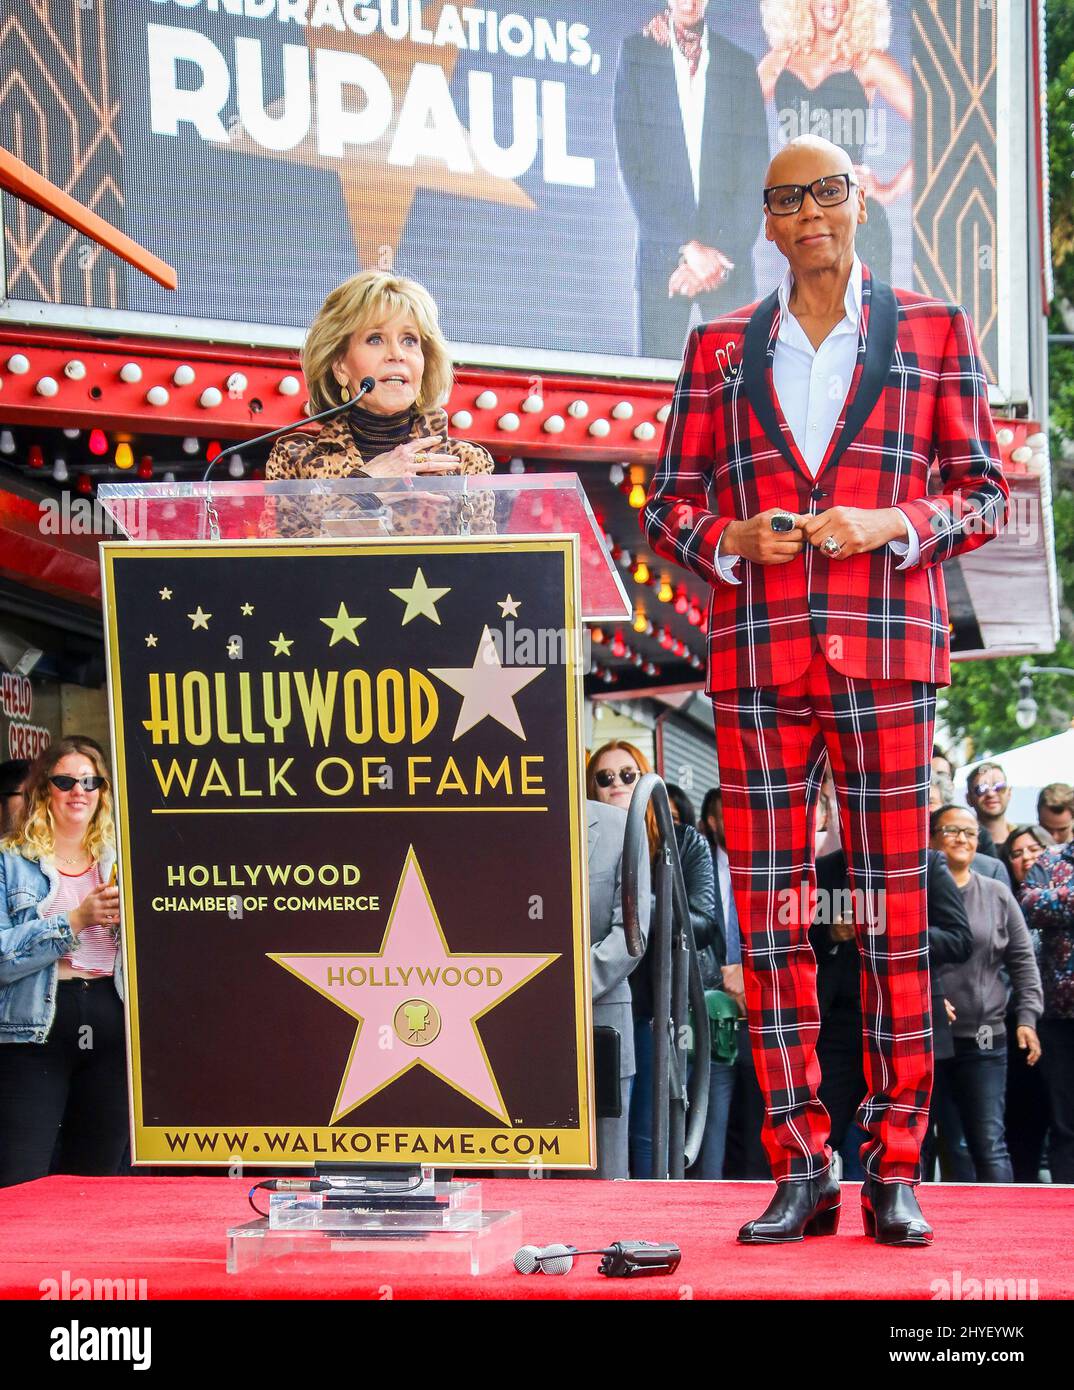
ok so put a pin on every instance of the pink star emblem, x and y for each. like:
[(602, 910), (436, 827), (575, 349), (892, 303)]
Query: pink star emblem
[(421, 996)]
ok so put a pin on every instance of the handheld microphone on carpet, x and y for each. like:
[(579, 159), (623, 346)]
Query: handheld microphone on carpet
[(366, 385), (626, 1259)]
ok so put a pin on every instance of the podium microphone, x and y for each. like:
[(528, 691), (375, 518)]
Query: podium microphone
[(366, 385)]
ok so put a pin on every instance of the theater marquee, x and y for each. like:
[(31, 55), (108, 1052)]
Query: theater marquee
[(350, 807)]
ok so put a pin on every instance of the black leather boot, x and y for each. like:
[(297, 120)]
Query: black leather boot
[(809, 1208), (890, 1213)]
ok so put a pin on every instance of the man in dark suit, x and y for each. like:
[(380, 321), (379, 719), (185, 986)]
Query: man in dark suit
[(691, 134)]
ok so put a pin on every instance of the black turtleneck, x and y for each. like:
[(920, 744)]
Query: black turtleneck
[(379, 434)]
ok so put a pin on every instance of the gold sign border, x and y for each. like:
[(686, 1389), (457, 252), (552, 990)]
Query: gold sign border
[(148, 1142)]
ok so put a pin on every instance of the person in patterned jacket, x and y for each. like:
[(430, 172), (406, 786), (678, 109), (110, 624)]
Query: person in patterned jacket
[(386, 327), (794, 479), (1048, 905)]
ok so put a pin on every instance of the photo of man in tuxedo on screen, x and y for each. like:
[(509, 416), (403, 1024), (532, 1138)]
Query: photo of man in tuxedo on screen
[(690, 134)]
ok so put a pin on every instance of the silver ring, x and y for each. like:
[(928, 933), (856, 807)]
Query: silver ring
[(831, 546)]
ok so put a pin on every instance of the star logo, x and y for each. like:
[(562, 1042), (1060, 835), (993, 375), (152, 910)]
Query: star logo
[(247, 609), (509, 607), (165, 593), (233, 649), (420, 600), (426, 997), (281, 646), (151, 641), (487, 688), (199, 619), (342, 626)]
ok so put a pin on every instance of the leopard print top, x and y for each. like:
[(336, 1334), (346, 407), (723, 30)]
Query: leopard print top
[(333, 453)]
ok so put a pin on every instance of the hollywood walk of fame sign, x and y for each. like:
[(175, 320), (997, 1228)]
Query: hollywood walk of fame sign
[(350, 814)]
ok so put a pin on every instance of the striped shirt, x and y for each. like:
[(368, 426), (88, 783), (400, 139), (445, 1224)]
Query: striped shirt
[(95, 953)]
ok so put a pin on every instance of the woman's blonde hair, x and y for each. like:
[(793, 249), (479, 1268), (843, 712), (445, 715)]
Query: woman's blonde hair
[(788, 26), (620, 745), (370, 297), (35, 835)]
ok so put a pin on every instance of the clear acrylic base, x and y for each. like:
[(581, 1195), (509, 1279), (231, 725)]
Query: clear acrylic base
[(474, 1242), (429, 1206)]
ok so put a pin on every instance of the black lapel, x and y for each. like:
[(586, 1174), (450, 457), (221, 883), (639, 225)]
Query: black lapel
[(879, 352), (755, 374)]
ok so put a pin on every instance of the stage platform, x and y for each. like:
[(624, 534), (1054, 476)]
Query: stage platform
[(170, 1232)]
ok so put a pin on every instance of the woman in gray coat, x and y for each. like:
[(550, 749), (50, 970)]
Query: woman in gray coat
[(1002, 968)]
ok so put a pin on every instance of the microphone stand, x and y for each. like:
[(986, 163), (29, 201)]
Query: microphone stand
[(365, 386)]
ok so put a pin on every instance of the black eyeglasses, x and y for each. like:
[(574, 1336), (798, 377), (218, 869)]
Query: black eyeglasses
[(64, 783), (785, 199), (606, 778)]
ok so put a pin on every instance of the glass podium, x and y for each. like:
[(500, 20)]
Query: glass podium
[(550, 504), (444, 1226)]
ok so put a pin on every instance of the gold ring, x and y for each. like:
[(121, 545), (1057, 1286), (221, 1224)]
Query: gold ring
[(421, 456)]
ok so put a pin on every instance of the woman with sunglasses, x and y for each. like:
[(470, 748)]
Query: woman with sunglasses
[(62, 1054)]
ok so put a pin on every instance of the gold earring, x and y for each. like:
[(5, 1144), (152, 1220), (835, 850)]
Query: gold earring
[(344, 393)]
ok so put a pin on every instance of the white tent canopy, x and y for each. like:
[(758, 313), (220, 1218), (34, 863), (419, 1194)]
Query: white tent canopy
[(1028, 769)]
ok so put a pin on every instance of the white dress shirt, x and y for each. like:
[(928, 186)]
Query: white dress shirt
[(692, 106), (812, 388)]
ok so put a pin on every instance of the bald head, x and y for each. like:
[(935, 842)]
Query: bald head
[(816, 238), (805, 158)]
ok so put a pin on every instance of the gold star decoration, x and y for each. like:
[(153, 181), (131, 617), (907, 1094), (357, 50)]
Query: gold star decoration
[(165, 593), (247, 609), (342, 626), (378, 194), (233, 649), (151, 641), (420, 600), (281, 646), (509, 606), (199, 619)]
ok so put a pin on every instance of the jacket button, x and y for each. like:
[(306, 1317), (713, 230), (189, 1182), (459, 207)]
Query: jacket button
[(817, 494)]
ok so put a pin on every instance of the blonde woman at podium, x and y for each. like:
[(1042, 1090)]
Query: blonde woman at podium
[(380, 326)]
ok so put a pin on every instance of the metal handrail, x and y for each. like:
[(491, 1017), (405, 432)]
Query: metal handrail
[(680, 1095)]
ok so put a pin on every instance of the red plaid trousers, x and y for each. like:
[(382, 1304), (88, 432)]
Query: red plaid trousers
[(771, 744)]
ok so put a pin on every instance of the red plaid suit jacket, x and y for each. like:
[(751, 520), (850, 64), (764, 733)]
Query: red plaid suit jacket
[(918, 395)]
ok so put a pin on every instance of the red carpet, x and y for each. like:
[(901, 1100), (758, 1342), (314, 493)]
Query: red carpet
[(171, 1232)]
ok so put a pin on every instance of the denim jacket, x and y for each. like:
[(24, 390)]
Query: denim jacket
[(31, 944)]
